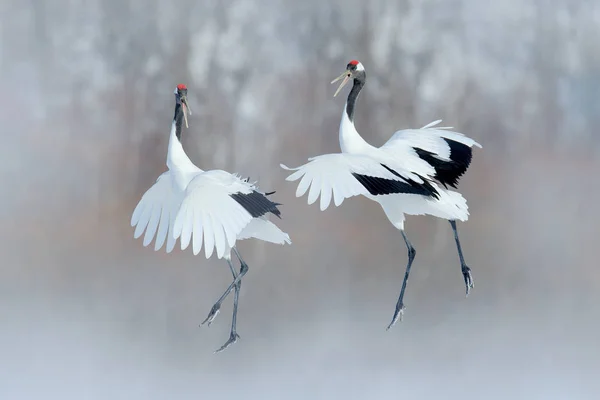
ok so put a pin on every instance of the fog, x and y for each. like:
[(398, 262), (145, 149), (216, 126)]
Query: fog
[(86, 101)]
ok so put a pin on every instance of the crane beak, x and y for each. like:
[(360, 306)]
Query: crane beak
[(186, 110), (346, 75)]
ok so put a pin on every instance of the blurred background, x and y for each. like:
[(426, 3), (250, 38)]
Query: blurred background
[(86, 102)]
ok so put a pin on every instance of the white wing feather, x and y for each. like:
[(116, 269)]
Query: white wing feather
[(155, 212), (331, 174), (208, 213), (263, 229), (428, 138)]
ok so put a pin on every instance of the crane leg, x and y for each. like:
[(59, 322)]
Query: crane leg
[(233, 336), (399, 311), (236, 284), (466, 271)]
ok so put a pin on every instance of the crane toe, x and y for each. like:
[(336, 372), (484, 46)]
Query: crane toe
[(214, 311), (232, 339), (468, 278), (398, 314)]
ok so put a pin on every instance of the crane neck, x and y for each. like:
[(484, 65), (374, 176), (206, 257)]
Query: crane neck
[(352, 96), (176, 156), (178, 120), (350, 139)]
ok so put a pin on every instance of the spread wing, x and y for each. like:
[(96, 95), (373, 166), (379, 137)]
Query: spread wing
[(449, 153), (216, 208), (346, 175), (155, 212)]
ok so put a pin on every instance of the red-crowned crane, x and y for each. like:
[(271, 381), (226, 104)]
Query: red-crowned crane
[(196, 206), (409, 174)]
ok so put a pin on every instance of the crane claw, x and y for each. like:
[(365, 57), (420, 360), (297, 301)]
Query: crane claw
[(232, 339), (398, 314), (214, 311), (469, 283)]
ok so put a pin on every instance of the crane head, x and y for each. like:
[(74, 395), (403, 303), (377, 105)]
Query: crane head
[(353, 69), (181, 98)]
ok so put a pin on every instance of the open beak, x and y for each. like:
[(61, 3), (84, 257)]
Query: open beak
[(346, 75), (186, 110)]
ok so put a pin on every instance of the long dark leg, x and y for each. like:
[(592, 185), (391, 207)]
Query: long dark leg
[(400, 305), (466, 271), (234, 285), (243, 267), (233, 336)]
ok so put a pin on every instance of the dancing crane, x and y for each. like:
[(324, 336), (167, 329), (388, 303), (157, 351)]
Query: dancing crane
[(211, 207), (409, 174)]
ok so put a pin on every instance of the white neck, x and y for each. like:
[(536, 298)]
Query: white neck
[(176, 157), (350, 139)]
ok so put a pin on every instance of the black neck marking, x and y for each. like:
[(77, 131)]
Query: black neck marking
[(359, 82), (178, 119)]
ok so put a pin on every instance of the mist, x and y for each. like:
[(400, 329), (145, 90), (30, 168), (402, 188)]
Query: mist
[(86, 103)]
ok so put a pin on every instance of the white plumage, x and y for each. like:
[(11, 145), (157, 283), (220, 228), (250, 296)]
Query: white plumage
[(211, 209), (428, 138), (208, 211), (198, 204), (333, 173), (409, 174), (203, 211)]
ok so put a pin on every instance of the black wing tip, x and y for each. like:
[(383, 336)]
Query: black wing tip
[(382, 186), (274, 210), (427, 186), (423, 189), (449, 172), (257, 204)]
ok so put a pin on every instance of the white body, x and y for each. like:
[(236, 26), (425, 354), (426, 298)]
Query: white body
[(331, 174), (195, 206)]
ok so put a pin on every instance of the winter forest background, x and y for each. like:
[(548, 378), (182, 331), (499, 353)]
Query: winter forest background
[(86, 101)]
